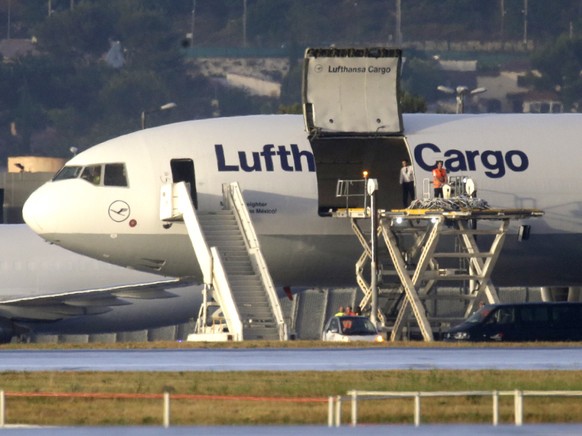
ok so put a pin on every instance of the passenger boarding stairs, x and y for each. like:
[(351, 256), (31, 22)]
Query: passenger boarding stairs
[(237, 283)]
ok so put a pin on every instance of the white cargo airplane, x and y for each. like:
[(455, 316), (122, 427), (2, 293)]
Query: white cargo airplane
[(47, 289), (105, 202)]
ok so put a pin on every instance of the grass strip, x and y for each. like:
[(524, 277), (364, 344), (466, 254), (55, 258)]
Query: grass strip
[(225, 397)]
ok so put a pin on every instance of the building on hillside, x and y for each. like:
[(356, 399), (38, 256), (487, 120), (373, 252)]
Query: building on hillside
[(502, 92), (542, 102), (11, 49), (24, 175), (34, 164)]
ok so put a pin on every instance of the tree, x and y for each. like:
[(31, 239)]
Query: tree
[(560, 65), (411, 103), (109, 100), (421, 76)]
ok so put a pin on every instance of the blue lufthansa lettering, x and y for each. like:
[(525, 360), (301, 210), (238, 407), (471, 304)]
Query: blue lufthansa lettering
[(268, 154), (471, 155), (220, 161), (244, 165), (287, 158), (455, 161), (419, 158), (298, 154), (283, 154), (523, 160), (495, 162)]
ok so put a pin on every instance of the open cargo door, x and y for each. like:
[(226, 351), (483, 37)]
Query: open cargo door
[(352, 114)]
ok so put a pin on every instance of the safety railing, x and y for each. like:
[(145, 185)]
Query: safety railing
[(335, 403), (166, 398), (353, 191)]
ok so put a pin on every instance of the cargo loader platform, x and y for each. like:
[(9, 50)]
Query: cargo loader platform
[(431, 246)]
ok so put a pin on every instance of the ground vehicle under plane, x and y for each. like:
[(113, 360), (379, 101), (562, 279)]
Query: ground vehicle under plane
[(518, 160)]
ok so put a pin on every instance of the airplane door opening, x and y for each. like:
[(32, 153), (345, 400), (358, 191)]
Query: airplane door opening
[(347, 157), (183, 171)]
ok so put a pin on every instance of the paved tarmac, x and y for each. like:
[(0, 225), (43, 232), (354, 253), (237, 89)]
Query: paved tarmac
[(558, 358)]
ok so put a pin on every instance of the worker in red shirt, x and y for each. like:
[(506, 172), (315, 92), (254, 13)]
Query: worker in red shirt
[(439, 178)]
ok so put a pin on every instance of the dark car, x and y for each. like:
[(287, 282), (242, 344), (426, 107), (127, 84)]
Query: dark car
[(521, 322)]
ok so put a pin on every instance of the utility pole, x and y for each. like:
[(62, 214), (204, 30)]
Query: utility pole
[(398, 23), (525, 22), (9, 19), (193, 23), (244, 23), (502, 11), (372, 189)]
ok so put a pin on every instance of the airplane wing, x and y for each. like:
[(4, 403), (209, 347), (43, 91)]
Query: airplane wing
[(59, 306)]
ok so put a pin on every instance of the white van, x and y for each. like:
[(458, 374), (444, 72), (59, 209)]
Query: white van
[(349, 329)]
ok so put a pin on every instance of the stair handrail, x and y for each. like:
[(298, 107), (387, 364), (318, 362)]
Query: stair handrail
[(210, 262), (229, 309), (236, 201), (195, 232)]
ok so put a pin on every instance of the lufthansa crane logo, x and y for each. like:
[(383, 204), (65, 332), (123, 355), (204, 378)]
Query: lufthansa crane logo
[(119, 211)]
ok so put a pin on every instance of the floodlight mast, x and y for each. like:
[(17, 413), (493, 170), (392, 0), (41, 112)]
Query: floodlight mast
[(461, 93), (372, 189), (163, 107)]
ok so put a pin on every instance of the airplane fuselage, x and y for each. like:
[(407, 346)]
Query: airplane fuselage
[(517, 161)]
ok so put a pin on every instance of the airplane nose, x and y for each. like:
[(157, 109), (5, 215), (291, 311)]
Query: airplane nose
[(37, 211)]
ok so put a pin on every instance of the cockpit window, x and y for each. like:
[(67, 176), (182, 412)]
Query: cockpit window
[(68, 173), (92, 174), (115, 175)]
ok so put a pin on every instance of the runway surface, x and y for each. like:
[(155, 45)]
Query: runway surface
[(292, 359)]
